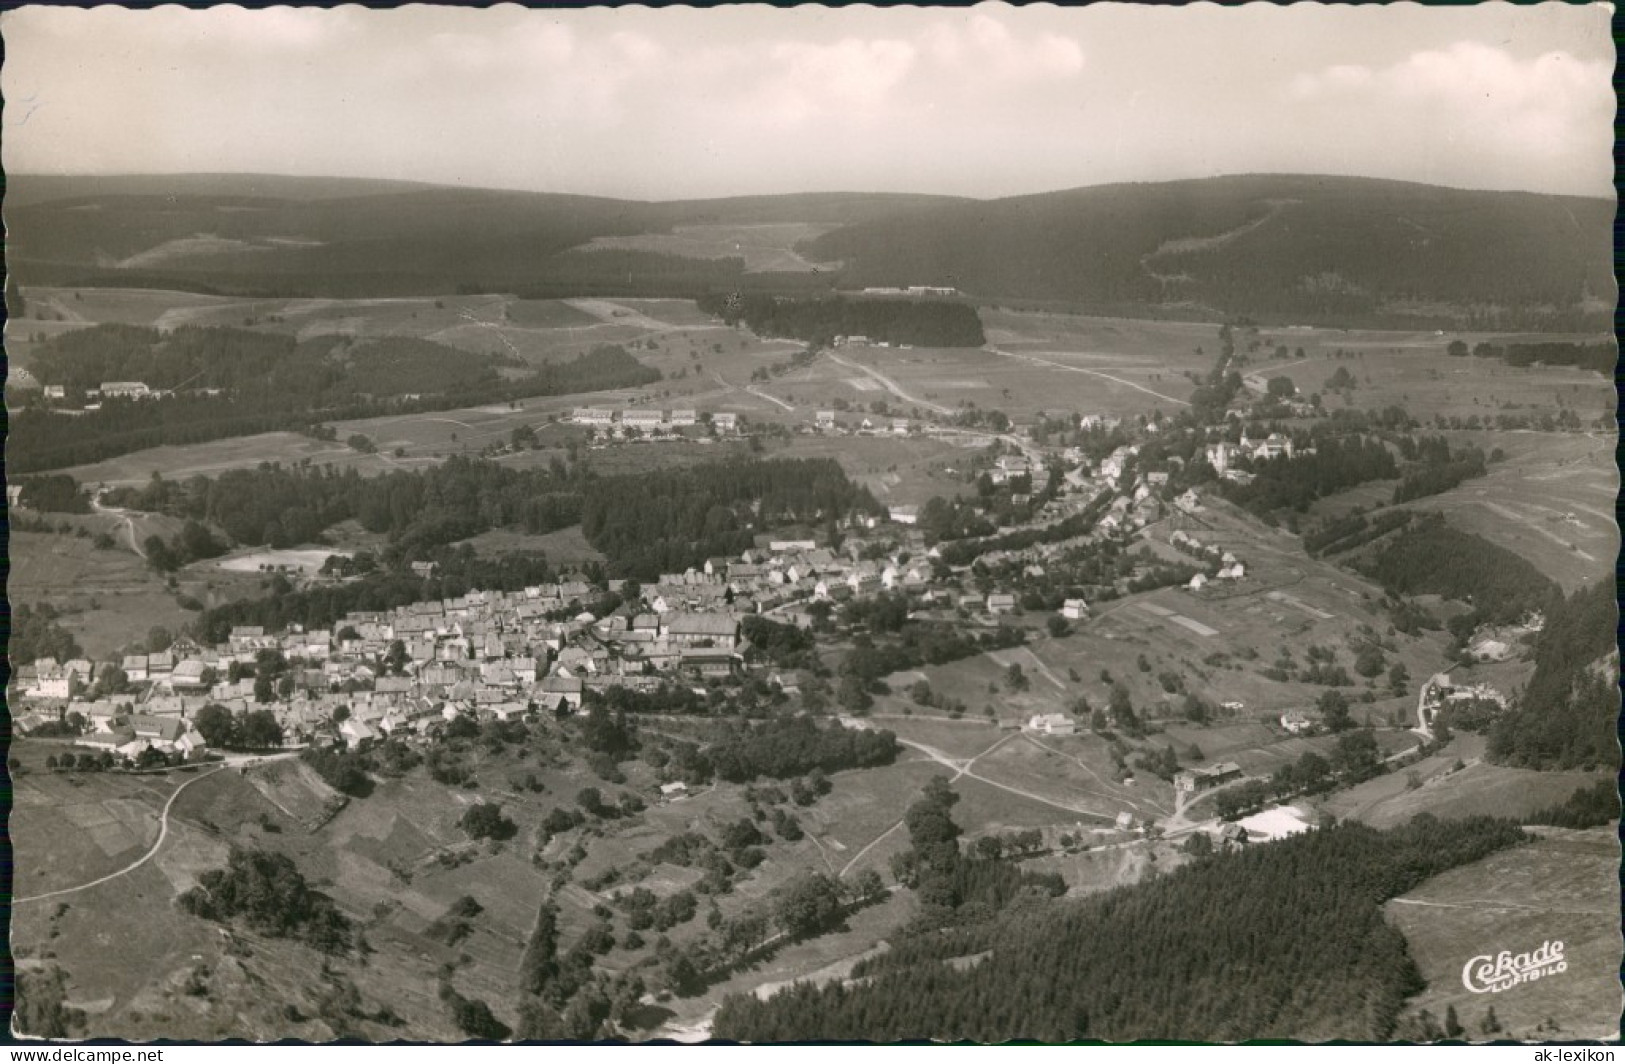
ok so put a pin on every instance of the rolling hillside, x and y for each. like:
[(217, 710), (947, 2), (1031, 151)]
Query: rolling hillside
[(1281, 248), (1288, 249), (329, 237)]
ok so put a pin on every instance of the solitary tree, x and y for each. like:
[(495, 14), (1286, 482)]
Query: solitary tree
[(1334, 711)]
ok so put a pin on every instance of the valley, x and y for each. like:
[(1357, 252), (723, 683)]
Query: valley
[(616, 676)]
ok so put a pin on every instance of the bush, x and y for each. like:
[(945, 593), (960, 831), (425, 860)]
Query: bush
[(484, 820)]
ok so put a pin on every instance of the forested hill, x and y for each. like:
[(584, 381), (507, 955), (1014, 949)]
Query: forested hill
[(1283, 248), (1285, 940), (1290, 249), (344, 238), (1567, 716)]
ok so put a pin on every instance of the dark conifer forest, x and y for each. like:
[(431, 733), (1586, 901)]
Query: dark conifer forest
[(653, 523), (919, 322), (1280, 941), (1429, 557), (1566, 717)]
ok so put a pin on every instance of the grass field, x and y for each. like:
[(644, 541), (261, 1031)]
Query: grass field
[(111, 598), (897, 470), (1550, 501), (765, 247), (243, 452), (76, 827), (1562, 887), (1427, 382), (1479, 788)]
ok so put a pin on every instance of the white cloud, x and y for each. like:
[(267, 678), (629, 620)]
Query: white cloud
[(681, 101), (1478, 90)]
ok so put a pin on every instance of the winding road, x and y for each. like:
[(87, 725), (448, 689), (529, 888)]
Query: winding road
[(962, 767), (126, 521), (163, 833)]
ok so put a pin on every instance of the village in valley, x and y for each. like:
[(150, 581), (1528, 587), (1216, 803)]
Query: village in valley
[(1096, 633), (597, 580), (493, 655)]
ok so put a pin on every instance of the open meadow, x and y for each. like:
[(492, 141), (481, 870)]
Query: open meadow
[(764, 247), (1562, 887), (109, 596), (1476, 789)]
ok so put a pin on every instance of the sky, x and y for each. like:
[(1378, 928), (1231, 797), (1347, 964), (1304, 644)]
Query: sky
[(679, 103)]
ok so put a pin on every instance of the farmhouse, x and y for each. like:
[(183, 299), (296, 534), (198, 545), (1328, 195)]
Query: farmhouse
[(135, 668), (561, 693), (1221, 455), (905, 515), (125, 390), (1052, 724), (725, 422), (1074, 609), (684, 418), (1297, 721), (188, 676), (825, 420), (1276, 445), (707, 662), (162, 733), (703, 630), (1001, 602), (1196, 780), (592, 415)]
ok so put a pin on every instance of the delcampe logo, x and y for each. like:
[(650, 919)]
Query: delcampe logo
[(1485, 974)]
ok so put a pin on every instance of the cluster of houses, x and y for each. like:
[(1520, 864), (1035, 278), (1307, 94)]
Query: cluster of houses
[(1226, 565), (136, 390), (490, 654), (1440, 691), (1223, 456), (649, 421), (826, 421)]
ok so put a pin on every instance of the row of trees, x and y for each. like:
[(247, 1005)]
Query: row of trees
[(784, 747), (1598, 357), (247, 729)]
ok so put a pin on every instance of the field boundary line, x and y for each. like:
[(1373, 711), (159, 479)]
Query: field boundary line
[(163, 833)]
